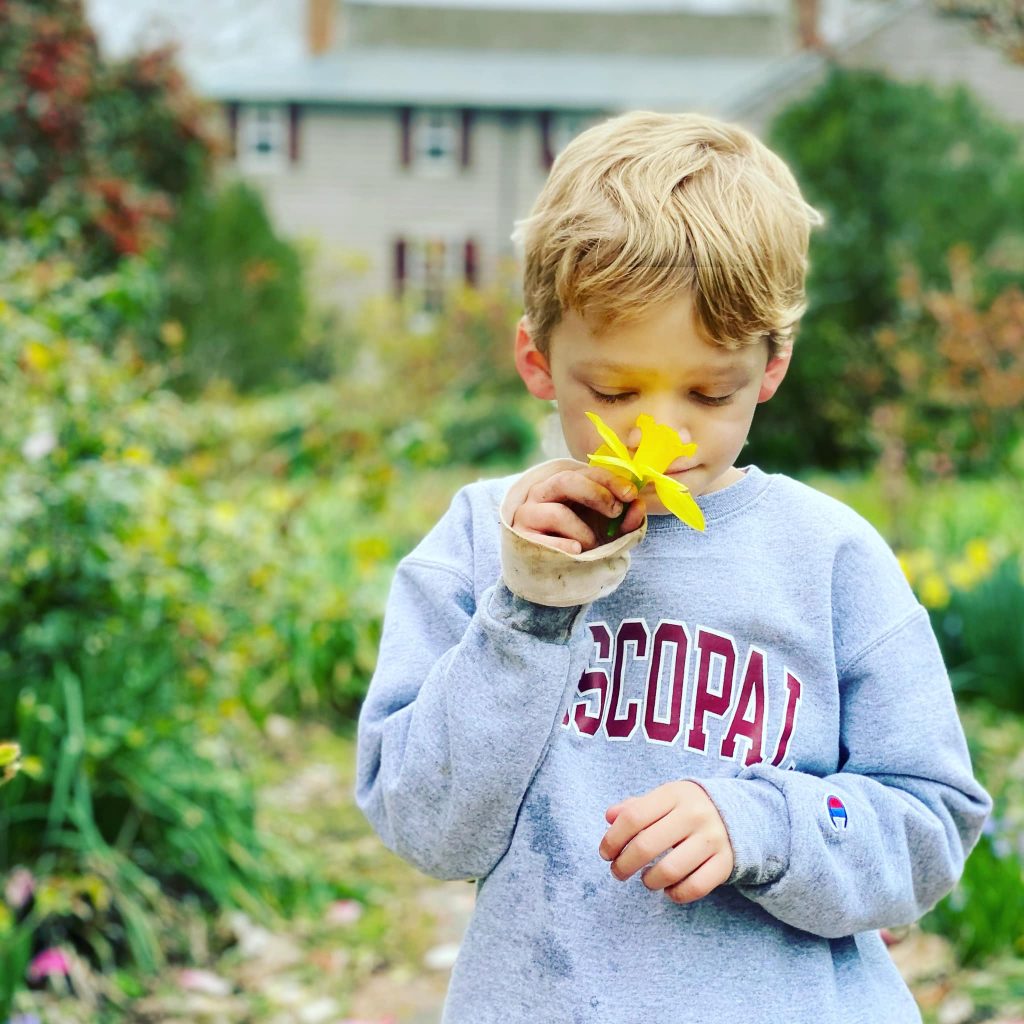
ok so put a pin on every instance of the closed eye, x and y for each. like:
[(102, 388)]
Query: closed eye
[(711, 399), (612, 397)]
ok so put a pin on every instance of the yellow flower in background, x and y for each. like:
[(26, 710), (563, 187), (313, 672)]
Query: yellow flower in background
[(979, 554), (933, 591), (10, 761), (659, 447), (38, 357)]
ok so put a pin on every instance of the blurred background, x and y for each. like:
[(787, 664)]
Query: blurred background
[(257, 299)]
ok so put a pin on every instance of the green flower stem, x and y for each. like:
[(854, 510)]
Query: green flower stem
[(614, 524)]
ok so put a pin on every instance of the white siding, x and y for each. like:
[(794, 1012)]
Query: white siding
[(349, 193)]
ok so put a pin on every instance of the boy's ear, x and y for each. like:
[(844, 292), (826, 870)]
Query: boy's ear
[(773, 374), (531, 364)]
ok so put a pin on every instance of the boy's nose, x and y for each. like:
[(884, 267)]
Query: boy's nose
[(633, 441)]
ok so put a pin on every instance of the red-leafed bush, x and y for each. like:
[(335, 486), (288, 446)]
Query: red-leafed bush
[(93, 154), (949, 385)]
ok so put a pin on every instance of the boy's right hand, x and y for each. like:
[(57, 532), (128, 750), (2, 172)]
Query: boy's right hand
[(570, 509)]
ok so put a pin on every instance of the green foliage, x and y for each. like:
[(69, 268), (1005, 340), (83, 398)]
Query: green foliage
[(445, 390), (105, 161), (235, 288), (94, 153), (109, 635), (982, 639), (955, 381), (984, 915), (903, 174)]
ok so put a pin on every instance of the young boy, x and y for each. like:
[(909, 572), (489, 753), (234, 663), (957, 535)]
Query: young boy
[(693, 773)]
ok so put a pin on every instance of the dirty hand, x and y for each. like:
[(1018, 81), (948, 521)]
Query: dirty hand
[(570, 509), (680, 821)]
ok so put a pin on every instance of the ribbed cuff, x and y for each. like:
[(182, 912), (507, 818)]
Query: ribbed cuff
[(757, 820), (545, 622)]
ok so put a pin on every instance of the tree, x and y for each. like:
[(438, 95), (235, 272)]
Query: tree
[(93, 154), (903, 173)]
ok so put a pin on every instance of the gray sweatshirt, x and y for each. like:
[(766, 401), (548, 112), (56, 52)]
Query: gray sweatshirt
[(779, 659)]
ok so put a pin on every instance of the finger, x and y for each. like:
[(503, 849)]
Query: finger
[(579, 488), (635, 814), (612, 813), (634, 517), (649, 844), (680, 862), (623, 489), (572, 547), (708, 877), (554, 520)]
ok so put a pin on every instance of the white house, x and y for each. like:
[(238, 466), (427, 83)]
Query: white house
[(406, 136)]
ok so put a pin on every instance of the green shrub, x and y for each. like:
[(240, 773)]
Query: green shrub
[(109, 634), (96, 153), (895, 169), (236, 289), (984, 915), (982, 639)]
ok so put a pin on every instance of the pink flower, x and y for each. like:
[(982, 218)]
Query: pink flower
[(19, 887), (206, 982), (344, 912), (49, 962)]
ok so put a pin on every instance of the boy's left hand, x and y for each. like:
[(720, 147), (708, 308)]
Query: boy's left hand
[(680, 821)]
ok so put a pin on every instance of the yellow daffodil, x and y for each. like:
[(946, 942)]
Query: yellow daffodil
[(10, 761), (659, 447)]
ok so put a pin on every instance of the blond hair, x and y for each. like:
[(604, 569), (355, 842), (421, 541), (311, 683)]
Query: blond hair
[(645, 207)]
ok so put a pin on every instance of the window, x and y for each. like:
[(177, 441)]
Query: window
[(557, 130), (263, 137), (426, 268), (436, 142)]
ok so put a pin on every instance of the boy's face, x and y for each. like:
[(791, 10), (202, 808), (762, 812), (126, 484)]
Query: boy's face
[(662, 366)]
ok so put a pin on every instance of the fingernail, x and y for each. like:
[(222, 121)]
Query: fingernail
[(616, 508), (629, 492)]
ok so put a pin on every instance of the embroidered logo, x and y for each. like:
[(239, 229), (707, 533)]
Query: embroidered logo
[(836, 813)]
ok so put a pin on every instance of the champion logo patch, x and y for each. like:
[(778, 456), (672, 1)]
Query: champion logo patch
[(836, 813)]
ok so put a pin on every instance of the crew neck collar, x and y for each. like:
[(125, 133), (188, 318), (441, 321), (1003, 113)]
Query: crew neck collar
[(719, 504)]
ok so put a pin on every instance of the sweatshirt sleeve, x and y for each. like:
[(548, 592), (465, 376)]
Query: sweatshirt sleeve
[(884, 838), (462, 706)]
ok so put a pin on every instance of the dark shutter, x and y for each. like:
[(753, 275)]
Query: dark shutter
[(471, 263), (405, 131), (294, 124), (399, 267), (466, 152), (547, 155), (232, 112)]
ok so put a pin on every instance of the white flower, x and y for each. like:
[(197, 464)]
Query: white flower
[(38, 445)]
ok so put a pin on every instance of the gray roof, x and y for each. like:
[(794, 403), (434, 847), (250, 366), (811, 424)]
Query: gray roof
[(506, 80)]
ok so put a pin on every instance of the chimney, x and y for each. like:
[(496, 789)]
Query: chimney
[(808, 19), (320, 25)]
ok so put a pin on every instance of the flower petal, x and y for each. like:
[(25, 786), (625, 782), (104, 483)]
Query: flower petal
[(679, 501), (620, 467), (609, 436), (659, 445)]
